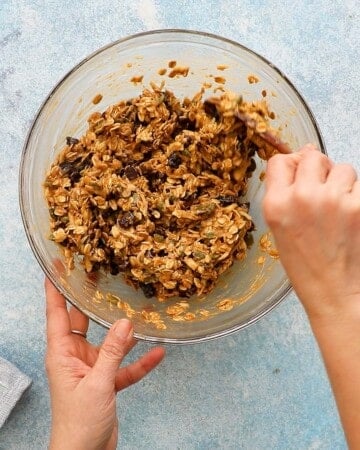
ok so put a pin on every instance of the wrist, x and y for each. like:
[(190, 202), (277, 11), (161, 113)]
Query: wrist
[(79, 438), (63, 443), (338, 314), (66, 439), (325, 304)]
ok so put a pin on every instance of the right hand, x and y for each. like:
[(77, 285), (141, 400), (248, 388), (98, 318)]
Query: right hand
[(313, 209)]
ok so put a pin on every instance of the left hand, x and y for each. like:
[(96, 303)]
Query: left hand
[(84, 379)]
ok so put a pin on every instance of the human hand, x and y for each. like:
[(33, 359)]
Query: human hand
[(313, 209), (84, 379)]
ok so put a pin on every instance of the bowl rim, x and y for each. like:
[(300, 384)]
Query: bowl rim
[(286, 287)]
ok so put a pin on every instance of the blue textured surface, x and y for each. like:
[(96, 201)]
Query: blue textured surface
[(263, 388)]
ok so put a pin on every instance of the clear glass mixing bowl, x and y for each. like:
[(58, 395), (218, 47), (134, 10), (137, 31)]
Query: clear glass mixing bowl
[(255, 286)]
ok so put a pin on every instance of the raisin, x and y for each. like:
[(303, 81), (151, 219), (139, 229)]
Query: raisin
[(131, 172), (71, 140), (162, 253), (148, 289), (127, 220), (174, 160)]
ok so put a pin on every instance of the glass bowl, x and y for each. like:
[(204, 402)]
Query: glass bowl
[(250, 288)]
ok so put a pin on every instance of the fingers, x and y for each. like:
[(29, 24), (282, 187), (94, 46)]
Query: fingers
[(313, 166), (139, 369), (342, 178), (113, 350), (58, 322), (281, 171), (78, 320)]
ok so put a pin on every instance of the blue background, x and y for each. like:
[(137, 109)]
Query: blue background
[(262, 388)]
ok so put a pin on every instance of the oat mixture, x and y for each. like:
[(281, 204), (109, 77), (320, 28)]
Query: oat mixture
[(154, 190)]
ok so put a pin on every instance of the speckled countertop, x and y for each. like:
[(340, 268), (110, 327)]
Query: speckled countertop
[(262, 388)]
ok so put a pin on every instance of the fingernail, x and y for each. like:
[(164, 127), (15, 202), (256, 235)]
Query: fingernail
[(122, 328)]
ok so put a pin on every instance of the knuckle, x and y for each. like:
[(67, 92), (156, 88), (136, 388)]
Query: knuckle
[(273, 163), (303, 197), (273, 210), (330, 200), (347, 168), (316, 155), (351, 211), (275, 159)]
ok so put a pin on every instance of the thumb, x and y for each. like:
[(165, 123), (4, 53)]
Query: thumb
[(113, 349)]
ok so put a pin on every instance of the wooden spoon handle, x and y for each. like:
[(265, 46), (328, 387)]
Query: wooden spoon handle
[(266, 136)]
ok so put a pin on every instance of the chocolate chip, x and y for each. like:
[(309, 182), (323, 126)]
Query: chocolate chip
[(149, 253), (211, 110), (173, 226), (117, 265), (148, 289), (190, 198), (252, 148), (227, 199), (155, 180), (114, 269), (241, 133), (66, 167), (251, 167), (186, 123), (71, 170), (249, 239), (188, 293), (95, 267), (245, 205), (159, 230)]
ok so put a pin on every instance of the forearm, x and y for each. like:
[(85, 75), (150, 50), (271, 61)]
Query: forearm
[(339, 344)]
